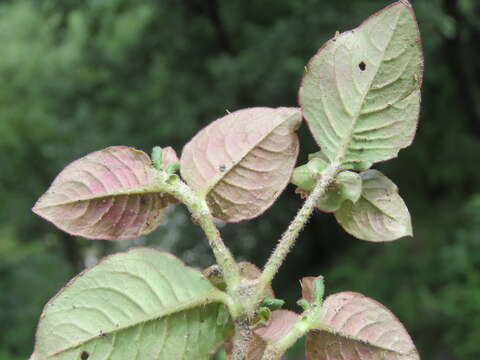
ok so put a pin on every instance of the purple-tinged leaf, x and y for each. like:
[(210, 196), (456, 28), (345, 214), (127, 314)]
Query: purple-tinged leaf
[(243, 161), (313, 289), (281, 321), (169, 156), (355, 327), (108, 194), (380, 214)]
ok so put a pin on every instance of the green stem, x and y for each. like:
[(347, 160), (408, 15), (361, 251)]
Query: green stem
[(289, 237), (202, 215)]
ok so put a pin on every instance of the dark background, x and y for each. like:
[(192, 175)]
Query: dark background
[(78, 76)]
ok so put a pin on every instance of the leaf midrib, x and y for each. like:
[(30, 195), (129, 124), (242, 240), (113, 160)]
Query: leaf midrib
[(141, 191), (345, 145), (214, 296), (212, 183)]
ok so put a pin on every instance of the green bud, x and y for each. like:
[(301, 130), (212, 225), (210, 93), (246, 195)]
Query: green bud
[(157, 157), (172, 167), (305, 176), (304, 304), (319, 289), (173, 179), (331, 200), (273, 304), (264, 314)]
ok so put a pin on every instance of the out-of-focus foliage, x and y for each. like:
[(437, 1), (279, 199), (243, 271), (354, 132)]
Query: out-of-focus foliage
[(80, 76)]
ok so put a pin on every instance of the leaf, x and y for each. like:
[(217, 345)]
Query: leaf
[(279, 325), (242, 162), (169, 156), (141, 304), (313, 289), (360, 94), (108, 194), (349, 185), (164, 158), (355, 327), (380, 214)]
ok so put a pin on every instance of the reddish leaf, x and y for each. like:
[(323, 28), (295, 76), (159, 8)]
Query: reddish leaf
[(169, 156), (308, 288), (243, 161), (107, 194), (280, 323), (356, 327)]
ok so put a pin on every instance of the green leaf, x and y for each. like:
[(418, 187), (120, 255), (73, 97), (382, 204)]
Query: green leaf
[(141, 304), (380, 214), (360, 94), (349, 185)]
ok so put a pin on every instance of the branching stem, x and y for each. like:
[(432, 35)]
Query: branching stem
[(202, 215)]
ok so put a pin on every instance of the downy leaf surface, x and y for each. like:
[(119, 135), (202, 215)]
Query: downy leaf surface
[(242, 162), (360, 94), (108, 194), (380, 214), (141, 304), (355, 327)]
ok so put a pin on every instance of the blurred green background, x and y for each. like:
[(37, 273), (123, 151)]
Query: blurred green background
[(78, 76)]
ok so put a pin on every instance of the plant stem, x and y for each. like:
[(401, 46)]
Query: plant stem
[(201, 214), (307, 321), (241, 340), (289, 237)]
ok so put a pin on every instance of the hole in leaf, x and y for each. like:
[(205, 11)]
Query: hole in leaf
[(362, 66), (84, 355)]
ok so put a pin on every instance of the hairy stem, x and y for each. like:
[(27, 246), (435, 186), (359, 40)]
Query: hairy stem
[(241, 340), (202, 215), (289, 237), (307, 321)]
